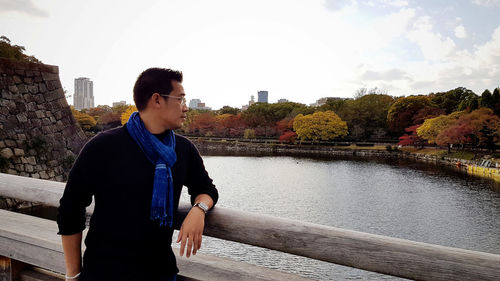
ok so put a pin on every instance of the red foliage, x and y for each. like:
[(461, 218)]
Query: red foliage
[(288, 136), (412, 138)]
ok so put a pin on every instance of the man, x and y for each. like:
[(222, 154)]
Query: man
[(136, 173)]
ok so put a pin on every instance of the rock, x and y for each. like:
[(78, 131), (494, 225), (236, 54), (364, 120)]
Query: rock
[(7, 153), (18, 152)]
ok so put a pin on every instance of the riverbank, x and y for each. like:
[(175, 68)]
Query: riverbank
[(431, 156)]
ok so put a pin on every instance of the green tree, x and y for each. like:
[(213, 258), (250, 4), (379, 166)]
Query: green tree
[(14, 51), (228, 110), (319, 126), (450, 101), (487, 99)]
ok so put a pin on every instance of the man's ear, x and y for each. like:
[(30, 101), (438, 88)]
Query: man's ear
[(155, 100)]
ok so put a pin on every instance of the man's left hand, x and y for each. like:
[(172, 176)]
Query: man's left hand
[(191, 231)]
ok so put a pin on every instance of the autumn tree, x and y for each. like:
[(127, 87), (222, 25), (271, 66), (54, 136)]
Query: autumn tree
[(319, 126), (411, 137), (480, 127), (402, 111), (85, 121), (432, 127), (126, 113)]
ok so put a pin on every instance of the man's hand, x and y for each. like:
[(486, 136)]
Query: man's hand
[(191, 231)]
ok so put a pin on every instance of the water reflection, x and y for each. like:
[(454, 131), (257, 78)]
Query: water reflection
[(399, 199)]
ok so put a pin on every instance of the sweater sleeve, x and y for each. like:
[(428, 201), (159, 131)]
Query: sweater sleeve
[(78, 192), (198, 181)]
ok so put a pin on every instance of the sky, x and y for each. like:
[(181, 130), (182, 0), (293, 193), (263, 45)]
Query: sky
[(228, 50)]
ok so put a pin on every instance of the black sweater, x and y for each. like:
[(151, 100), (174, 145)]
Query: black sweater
[(122, 242)]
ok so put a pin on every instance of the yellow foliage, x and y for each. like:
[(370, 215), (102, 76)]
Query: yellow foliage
[(432, 127), (319, 126), (126, 115), (84, 120), (222, 116)]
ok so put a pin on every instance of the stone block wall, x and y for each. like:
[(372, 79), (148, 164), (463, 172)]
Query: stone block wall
[(39, 137)]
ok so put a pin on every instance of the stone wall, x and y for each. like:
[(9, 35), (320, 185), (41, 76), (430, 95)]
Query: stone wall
[(39, 137)]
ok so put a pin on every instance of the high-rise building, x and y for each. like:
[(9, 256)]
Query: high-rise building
[(194, 103), (263, 96), (84, 93)]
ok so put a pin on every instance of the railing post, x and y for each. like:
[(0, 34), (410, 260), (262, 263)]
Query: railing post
[(5, 269)]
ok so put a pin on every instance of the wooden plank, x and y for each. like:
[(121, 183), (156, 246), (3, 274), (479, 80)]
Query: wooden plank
[(392, 256), (35, 241)]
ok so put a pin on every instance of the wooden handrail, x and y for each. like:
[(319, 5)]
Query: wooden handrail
[(392, 256)]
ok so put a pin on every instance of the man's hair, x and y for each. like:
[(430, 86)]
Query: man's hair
[(154, 80)]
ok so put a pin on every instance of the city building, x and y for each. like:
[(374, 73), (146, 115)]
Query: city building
[(263, 96), (252, 101), (194, 103), (283, 100), (84, 93), (324, 100), (197, 104), (119, 103)]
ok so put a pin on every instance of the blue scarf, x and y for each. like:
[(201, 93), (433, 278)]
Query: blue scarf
[(162, 154)]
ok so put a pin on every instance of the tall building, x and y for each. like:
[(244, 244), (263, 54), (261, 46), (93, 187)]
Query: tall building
[(262, 96), (84, 93), (194, 103)]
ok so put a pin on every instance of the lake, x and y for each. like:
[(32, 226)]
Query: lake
[(396, 198)]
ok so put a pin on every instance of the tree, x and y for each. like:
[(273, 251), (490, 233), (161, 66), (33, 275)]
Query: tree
[(228, 110), (487, 99), (450, 101), (366, 114), (319, 126), (85, 121), (411, 138), (432, 127), (126, 113), (14, 51), (203, 124), (496, 101), (480, 127), (403, 110)]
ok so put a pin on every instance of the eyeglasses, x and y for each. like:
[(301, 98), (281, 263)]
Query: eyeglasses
[(182, 100)]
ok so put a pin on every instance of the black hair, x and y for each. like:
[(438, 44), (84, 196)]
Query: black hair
[(154, 80)]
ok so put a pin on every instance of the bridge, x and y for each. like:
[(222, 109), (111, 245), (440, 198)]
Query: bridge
[(30, 249)]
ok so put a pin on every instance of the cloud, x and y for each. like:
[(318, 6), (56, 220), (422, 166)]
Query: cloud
[(460, 31), (336, 5), (22, 6), (389, 75), (432, 45), (394, 3), (487, 3)]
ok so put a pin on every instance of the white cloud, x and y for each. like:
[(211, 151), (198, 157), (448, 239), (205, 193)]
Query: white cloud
[(487, 3), (22, 6), (432, 45), (395, 3), (460, 31)]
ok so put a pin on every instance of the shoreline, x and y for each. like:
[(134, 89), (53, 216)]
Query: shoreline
[(235, 148)]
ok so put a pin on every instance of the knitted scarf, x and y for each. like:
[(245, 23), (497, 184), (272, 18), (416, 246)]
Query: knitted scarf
[(162, 154)]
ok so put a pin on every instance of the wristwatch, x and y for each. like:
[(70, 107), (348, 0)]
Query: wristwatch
[(202, 206)]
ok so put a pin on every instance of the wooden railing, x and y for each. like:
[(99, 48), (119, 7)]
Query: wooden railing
[(391, 256)]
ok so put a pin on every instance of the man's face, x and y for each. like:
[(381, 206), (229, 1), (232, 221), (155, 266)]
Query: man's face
[(174, 109)]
